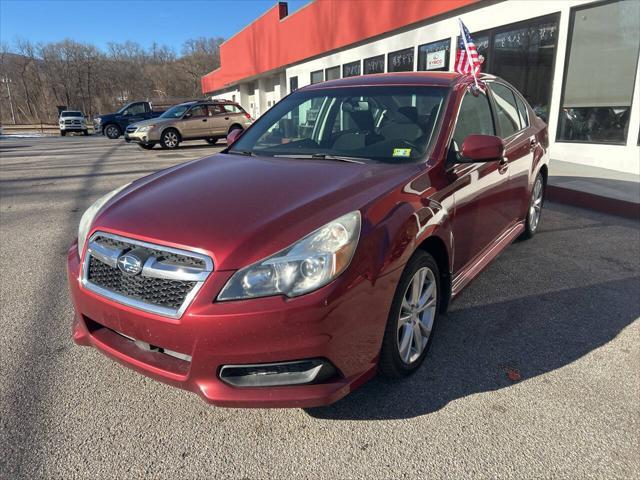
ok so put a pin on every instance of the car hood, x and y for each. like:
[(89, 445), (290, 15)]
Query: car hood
[(241, 209)]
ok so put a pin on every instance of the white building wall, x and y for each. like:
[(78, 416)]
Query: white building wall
[(618, 157)]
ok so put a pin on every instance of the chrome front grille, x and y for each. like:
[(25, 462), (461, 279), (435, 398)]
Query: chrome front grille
[(166, 284)]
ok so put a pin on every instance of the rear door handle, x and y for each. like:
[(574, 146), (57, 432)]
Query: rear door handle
[(226, 118)]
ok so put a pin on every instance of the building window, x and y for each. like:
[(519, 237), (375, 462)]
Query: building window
[(293, 84), (351, 69), (523, 54), (332, 73), (600, 72), (317, 76), (401, 61), (434, 56), (374, 65)]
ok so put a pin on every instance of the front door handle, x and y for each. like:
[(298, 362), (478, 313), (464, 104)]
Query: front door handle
[(503, 165), (533, 143), (204, 119), (226, 118)]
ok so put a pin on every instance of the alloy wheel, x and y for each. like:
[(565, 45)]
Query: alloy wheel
[(112, 132), (417, 315), (170, 139), (536, 204)]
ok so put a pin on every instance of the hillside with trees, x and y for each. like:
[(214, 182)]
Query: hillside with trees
[(36, 78)]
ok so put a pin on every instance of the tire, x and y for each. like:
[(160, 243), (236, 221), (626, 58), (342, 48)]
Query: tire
[(170, 139), (534, 211), (405, 320), (212, 140), (85, 133), (112, 131), (62, 133), (146, 146)]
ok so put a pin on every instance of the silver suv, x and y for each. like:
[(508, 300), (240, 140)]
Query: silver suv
[(207, 120)]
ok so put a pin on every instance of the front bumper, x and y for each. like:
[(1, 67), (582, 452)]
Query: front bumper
[(148, 137), (340, 324), (73, 128)]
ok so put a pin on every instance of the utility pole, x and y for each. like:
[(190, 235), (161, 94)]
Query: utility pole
[(6, 80)]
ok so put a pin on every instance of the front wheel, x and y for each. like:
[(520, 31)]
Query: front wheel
[(62, 133), (212, 140), (169, 139), (85, 133), (112, 131), (535, 208), (412, 318)]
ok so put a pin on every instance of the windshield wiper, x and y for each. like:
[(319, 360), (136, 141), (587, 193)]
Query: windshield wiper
[(246, 153), (322, 156)]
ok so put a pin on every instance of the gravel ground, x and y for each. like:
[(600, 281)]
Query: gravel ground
[(534, 372)]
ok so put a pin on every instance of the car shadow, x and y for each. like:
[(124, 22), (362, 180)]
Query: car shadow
[(488, 347)]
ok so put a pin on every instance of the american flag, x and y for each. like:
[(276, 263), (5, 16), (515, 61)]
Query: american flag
[(467, 62)]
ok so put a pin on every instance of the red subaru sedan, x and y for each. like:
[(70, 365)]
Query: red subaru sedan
[(320, 247)]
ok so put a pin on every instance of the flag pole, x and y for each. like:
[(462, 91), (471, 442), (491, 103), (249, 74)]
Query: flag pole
[(466, 48)]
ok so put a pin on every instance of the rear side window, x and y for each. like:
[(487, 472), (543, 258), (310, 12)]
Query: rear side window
[(215, 109), (522, 111), (232, 109), (506, 110), (474, 118)]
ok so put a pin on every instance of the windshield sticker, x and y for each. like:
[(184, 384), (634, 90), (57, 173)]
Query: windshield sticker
[(401, 152)]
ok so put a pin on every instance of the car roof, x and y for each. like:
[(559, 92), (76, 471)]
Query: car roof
[(207, 102), (439, 79)]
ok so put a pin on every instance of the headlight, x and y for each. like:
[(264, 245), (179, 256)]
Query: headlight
[(90, 214), (305, 266), (146, 128), (97, 120)]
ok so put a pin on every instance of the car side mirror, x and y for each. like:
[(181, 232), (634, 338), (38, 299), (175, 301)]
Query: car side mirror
[(481, 148), (233, 136)]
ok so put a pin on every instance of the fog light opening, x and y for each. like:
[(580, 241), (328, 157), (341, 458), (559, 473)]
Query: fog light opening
[(302, 372)]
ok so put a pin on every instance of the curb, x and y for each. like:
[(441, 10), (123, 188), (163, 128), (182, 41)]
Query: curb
[(611, 206)]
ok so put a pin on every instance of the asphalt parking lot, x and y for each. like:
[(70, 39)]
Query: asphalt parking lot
[(535, 371)]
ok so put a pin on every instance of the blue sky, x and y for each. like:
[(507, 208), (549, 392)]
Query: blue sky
[(168, 22)]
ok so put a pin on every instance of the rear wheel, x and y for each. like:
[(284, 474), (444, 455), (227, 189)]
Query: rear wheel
[(112, 131), (170, 139), (85, 133), (412, 318), (535, 208), (212, 140)]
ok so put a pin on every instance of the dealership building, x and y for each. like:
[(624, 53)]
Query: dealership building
[(576, 61)]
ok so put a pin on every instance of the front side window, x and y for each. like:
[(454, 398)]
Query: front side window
[(136, 109), (386, 124), (600, 73), (199, 111), (474, 117), (506, 110), (401, 61)]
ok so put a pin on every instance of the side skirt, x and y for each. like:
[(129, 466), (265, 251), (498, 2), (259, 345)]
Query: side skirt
[(469, 272)]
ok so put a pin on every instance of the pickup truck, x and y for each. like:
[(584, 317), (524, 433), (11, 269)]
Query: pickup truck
[(114, 124)]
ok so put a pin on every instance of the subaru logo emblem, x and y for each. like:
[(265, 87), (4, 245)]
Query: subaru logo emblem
[(130, 264)]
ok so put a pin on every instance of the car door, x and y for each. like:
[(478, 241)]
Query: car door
[(195, 122), (479, 189), (219, 120), (519, 144), (135, 113)]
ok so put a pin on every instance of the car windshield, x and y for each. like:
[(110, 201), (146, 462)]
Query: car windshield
[(175, 112), (71, 114), (381, 123)]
